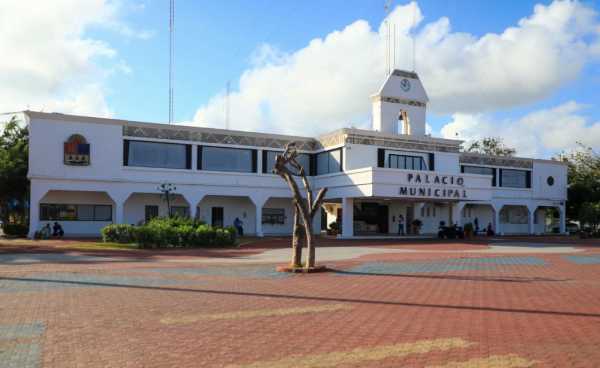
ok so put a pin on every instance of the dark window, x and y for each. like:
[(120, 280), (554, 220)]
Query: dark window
[(514, 215), (156, 154), (102, 213), (226, 159), (75, 212), (480, 170), (550, 181), (514, 178), (217, 216), (406, 162), (329, 162), (150, 212), (85, 212), (269, 161), (180, 211), (273, 216)]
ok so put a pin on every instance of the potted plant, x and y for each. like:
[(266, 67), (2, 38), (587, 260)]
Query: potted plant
[(416, 225), (468, 230)]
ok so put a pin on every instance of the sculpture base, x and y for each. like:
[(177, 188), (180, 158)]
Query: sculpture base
[(293, 269)]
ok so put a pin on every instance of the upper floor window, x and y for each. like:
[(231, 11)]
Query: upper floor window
[(406, 162), (481, 170), (226, 159), (157, 154), (269, 161), (515, 178), (329, 162)]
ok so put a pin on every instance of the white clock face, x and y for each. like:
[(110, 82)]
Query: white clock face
[(405, 85)]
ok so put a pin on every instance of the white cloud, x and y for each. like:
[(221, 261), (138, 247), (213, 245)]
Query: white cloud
[(540, 133), (326, 85), (47, 62)]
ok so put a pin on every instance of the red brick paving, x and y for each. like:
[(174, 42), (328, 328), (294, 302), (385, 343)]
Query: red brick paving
[(548, 314)]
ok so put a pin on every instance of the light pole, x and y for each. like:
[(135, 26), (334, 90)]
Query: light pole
[(166, 189)]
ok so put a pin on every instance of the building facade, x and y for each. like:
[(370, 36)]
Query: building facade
[(88, 172)]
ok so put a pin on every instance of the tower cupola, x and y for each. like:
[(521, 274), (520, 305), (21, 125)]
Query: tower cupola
[(399, 107)]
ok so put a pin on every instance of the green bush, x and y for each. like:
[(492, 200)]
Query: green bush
[(204, 234), (144, 237), (170, 232), (186, 235), (15, 229), (468, 227), (224, 236), (118, 233)]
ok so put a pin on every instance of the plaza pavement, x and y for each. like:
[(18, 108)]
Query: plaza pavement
[(508, 302)]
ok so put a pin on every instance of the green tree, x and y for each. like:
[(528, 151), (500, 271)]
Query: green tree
[(583, 178), (491, 146), (589, 214), (14, 185)]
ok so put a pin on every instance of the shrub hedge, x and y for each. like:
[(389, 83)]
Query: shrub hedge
[(170, 232), (15, 229)]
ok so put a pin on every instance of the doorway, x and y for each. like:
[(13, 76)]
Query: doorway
[(217, 216), (150, 212), (371, 218)]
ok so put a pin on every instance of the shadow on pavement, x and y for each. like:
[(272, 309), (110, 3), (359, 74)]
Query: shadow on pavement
[(316, 298), (452, 277)]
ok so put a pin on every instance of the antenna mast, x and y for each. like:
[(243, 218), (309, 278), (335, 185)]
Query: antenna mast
[(414, 57), (390, 40), (171, 56), (386, 9), (227, 106)]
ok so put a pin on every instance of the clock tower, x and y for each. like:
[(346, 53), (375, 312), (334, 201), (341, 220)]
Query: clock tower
[(400, 105)]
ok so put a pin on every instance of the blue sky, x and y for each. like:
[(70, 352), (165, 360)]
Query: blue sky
[(219, 41), (215, 41)]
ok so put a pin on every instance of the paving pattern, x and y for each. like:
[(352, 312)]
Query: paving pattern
[(394, 306)]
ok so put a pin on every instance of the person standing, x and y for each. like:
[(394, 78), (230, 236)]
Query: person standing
[(400, 225), (239, 225)]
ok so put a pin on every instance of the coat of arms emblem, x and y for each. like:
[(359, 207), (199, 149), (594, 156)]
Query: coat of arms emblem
[(77, 151)]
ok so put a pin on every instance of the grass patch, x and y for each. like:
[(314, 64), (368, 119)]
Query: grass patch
[(100, 246)]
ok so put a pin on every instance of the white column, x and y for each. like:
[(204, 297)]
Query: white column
[(497, 210), (37, 193), (563, 219), (418, 207), (456, 209), (193, 199), (119, 212), (259, 202), (259, 162), (532, 210), (347, 217), (259, 231), (119, 197)]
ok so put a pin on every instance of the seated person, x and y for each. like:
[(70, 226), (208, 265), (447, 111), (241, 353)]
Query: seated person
[(45, 232), (57, 230), (489, 231)]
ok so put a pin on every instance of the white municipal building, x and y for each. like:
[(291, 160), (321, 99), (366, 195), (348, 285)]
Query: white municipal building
[(88, 172)]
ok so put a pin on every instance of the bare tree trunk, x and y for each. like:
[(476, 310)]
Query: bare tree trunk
[(297, 240), (310, 246), (305, 209)]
